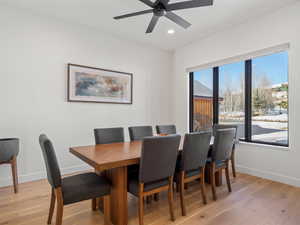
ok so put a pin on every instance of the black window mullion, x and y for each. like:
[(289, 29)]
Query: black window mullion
[(248, 99), (191, 119), (215, 95)]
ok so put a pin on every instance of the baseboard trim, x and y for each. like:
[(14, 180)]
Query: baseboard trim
[(269, 175), (23, 178)]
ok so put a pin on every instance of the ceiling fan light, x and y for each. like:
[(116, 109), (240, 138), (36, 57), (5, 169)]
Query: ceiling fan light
[(171, 31)]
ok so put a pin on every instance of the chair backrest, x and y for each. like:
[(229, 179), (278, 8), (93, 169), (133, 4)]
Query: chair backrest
[(195, 150), (158, 158), (138, 133), (225, 126), (52, 167), (223, 144), (9, 147), (109, 135), (166, 129)]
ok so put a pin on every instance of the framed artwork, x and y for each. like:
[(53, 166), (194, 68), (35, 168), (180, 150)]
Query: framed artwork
[(89, 84)]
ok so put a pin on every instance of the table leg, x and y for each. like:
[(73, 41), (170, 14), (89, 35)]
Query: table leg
[(119, 207)]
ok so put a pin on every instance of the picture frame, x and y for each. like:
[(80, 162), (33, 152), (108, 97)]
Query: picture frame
[(96, 85)]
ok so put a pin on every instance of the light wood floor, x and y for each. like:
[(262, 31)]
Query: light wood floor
[(254, 201)]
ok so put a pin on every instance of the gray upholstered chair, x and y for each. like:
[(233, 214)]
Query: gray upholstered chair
[(139, 132), (74, 188), (109, 135), (157, 167), (9, 149), (220, 156), (232, 158), (192, 161), (136, 134), (166, 129)]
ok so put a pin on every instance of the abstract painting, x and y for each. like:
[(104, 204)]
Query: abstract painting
[(89, 84)]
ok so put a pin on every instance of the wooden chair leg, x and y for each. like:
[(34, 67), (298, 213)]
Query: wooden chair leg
[(141, 204), (52, 206), (59, 214), (100, 203), (106, 207), (233, 164), (213, 181), (202, 183), (181, 180), (170, 198), (141, 210), (14, 173), (227, 176), (94, 204), (60, 206), (174, 187), (178, 185)]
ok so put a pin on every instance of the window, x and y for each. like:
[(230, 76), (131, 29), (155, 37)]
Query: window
[(232, 95), (252, 94), (202, 99), (270, 98)]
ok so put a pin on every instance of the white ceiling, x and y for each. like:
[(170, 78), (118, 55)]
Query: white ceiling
[(99, 14)]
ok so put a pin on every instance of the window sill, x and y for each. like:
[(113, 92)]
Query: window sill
[(266, 146)]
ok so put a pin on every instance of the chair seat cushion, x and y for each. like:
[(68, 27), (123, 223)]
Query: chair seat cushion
[(133, 184), (189, 173), (218, 164), (84, 187), (192, 173)]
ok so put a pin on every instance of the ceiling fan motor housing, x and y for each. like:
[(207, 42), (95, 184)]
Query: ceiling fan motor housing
[(159, 12)]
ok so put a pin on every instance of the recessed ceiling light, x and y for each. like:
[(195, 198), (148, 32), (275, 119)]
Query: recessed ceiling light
[(171, 31)]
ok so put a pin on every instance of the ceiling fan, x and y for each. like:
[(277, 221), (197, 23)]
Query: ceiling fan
[(161, 8)]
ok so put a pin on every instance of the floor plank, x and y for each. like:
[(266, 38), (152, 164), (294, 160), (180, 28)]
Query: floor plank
[(254, 201)]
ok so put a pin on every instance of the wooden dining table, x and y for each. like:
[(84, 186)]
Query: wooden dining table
[(113, 159)]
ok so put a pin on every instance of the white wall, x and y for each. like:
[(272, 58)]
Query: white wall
[(34, 52), (274, 29)]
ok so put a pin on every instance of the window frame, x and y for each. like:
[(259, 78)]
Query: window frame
[(248, 103)]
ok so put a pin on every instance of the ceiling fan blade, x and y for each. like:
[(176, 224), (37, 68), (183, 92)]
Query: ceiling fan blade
[(178, 20), (134, 14), (152, 24), (148, 3), (164, 2), (189, 4)]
